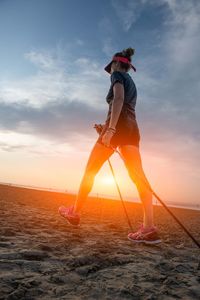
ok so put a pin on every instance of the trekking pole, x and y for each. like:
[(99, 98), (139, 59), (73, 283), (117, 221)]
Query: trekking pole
[(176, 219), (129, 223), (170, 212), (128, 220), (149, 187)]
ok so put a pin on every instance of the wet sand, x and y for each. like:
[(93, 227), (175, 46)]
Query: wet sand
[(42, 257)]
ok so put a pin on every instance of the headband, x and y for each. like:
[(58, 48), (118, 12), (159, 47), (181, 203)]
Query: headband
[(124, 60), (121, 59)]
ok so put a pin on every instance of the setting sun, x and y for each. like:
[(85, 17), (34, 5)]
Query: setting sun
[(108, 180)]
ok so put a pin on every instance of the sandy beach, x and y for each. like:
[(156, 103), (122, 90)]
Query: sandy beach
[(42, 257)]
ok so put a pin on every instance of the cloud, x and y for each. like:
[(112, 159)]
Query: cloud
[(168, 83), (168, 87), (11, 148), (183, 40), (107, 31), (57, 78), (25, 143), (61, 121), (79, 42), (108, 47), (64, 89), (105, 26), (60, 102), (43, 60), (127, 12)]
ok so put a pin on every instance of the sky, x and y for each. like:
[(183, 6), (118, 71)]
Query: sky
[(53, 88)]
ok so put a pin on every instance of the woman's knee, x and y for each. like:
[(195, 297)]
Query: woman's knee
[(88, 179), (135, 171), (139, 178), (90, 172), (132, 175), (97, 158)]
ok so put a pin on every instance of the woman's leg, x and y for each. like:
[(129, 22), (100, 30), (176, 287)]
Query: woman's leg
[(132, 159), (98, 156)]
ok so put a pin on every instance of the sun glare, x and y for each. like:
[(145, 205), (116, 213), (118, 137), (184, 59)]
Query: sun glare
[(108, 180)]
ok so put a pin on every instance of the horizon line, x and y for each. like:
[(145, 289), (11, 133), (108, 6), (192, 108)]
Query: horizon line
[(134, 200)]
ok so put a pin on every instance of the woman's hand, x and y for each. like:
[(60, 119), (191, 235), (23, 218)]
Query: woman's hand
[(98, 127), (107, 137)]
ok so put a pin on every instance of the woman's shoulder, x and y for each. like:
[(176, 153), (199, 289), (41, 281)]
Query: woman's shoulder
[(125, 75), (119, 73), (117, 76)]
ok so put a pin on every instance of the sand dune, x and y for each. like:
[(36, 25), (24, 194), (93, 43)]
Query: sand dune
[(42, 257)]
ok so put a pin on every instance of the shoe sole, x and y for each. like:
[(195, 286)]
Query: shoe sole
[(145, 242), (78, 225)]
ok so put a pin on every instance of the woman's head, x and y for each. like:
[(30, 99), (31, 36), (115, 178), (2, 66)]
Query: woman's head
[(121, 61)]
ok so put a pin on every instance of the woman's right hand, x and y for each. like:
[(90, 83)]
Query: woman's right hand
[(99, 128)]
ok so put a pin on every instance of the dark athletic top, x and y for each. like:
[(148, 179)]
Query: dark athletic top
[(130, 95)]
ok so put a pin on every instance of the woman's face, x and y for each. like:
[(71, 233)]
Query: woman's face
[(114, 66)]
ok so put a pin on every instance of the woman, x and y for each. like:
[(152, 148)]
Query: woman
[(120, 130)]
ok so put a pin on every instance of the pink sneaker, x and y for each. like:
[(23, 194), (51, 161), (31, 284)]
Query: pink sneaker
[(67, 213), (145, 235)]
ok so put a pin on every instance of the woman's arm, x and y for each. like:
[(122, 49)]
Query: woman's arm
[(118, 100)]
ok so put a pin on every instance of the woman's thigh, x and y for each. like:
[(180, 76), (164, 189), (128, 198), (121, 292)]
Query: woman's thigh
[(98, 155), (132, 159), (131, 155)]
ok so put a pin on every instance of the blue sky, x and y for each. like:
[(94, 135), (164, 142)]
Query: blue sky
[(27, 25), (53, 86)]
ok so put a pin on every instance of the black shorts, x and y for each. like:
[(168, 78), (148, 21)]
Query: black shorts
[(127, 133)]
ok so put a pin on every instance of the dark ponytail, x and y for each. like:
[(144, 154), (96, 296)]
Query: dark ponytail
[(128, 52)]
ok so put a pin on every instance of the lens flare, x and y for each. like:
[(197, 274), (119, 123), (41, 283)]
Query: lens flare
[(108, 180)]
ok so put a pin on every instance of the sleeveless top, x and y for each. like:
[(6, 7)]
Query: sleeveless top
[(130, 96)]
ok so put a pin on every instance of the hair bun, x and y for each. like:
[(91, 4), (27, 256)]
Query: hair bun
[(128, 52)]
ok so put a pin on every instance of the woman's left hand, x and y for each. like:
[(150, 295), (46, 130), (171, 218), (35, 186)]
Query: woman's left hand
[(107, 137)]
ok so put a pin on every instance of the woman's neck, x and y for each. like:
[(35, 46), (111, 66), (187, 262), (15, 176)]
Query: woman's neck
[(120, 70)]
